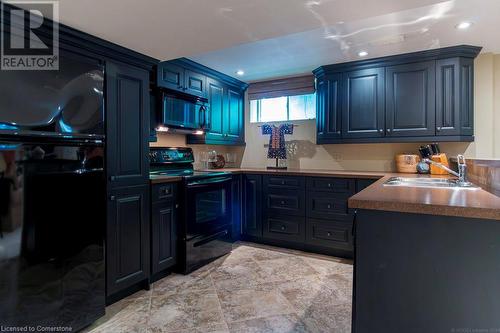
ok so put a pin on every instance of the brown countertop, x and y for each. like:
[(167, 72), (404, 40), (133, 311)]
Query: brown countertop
[(435, 201), (310, 172)]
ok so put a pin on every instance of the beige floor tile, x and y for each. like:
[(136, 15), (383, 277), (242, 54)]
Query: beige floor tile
[(191, 310), (125, 316), (178, 283), (238, 305), (289, 323), (284, 269)]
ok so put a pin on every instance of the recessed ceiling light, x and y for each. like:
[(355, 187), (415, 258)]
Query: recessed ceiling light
[(463, 25), (363, 53), (240, 72)]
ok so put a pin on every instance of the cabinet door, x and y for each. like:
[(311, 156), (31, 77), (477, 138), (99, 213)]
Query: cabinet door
[(170, 76), (195, 83), (252, 203), (127, 242), (233, 118), (363, 103), (410, 98), (216, 101), (329, 106), (466, 96), (163, 235), (236, 207), (128, 111)]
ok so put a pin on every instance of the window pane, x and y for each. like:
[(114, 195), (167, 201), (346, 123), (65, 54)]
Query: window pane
[(302, 107), (253, 111), (273, 109)]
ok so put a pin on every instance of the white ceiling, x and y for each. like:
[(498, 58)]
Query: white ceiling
[(271, 38)]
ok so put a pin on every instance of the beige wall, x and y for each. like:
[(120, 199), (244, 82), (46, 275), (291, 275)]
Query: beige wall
[(304, 153)]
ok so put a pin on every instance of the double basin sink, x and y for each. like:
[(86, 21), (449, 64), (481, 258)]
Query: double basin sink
[(430, 183)]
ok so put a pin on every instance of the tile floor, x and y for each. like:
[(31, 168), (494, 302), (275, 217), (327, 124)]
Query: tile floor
[(256, 288)]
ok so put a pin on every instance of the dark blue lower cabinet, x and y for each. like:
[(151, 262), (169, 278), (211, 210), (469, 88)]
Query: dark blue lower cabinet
[(164, 209), (252, 205), (127, 243), (425, 273), (236, 210), (306, 213)]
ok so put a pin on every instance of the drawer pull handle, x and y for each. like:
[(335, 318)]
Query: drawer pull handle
[(282, 202), (329, 233), (283, 228), (329, 185), (329, 206), (166, 191)]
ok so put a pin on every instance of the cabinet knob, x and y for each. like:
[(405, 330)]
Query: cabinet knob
[(329, 185), (329, 206), (176, 205), (338, 132), (112, 178), (388, 130), (112, 198), (283, 227), (282, 182), (282, 202), (381, 130), (329, 233), (438, 128)]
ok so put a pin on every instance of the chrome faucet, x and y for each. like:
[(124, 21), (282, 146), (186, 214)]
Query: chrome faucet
[(462, 169)]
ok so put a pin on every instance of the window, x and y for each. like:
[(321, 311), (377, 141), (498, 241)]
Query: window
[(283, 108)]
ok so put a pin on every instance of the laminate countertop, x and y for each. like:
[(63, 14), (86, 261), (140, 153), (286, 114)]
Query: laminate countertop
[(477, 203)]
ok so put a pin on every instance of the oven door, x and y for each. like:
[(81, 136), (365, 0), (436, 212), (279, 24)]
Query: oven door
[(208, 203)]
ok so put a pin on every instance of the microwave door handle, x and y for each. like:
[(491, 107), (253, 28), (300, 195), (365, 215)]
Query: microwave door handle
[(203, 116)]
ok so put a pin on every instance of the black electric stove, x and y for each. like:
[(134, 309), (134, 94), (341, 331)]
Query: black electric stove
[(205, 222)]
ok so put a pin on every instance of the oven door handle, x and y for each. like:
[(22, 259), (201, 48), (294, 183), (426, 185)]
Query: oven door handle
[(209, 181)]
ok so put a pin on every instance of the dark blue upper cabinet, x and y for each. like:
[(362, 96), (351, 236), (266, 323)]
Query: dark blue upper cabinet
[(410, 98), (195, 83), (225, 95), (178, 78), (329, 108), (363, 104), (454, 92), (170, 76)]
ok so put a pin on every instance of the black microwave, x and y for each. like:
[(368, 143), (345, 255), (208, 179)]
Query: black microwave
[(184, 113)]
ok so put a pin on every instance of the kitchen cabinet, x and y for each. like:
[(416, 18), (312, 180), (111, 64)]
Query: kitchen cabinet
[(225, 95), (414, 97), (127, 242), (252, 205), (127, 169), (164, 208), (410, 98), (236, 207), (127, 125), (178, 78), (363, 103), (226, 115), (329, 108), (305, 213), (454, 96)]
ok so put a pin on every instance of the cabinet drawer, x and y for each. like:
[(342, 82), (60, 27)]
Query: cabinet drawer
[(285, 202), (162, 191), (284, 182), (339, 185), (332, 234), (328, 205), (283, 227)]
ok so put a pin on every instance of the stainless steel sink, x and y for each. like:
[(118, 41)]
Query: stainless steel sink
[(430, 182)]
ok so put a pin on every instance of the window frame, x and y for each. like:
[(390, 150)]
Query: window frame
[(259, 109)]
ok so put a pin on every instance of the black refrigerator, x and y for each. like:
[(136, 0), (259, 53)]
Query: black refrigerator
[(52, 196)]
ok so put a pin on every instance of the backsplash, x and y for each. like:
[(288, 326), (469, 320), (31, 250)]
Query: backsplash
[(179, 140)]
